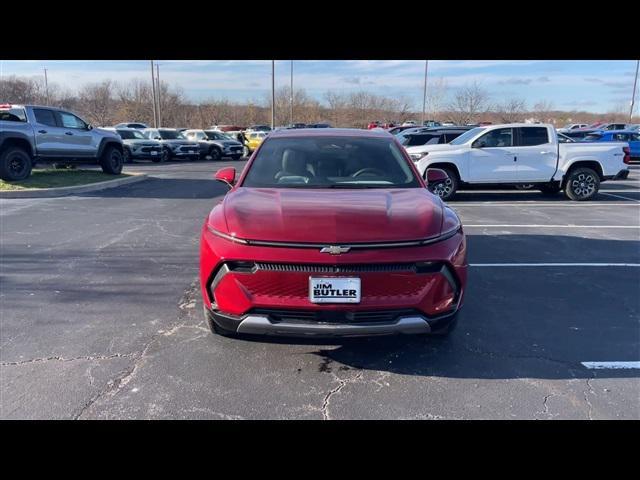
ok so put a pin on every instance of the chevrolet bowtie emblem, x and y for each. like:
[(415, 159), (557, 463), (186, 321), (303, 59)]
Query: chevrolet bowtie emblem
[(335, 249)]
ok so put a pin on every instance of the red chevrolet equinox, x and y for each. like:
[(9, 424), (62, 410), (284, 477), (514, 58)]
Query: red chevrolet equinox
[(331, 232)]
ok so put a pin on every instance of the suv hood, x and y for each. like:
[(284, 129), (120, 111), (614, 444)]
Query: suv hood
[(332, 216)]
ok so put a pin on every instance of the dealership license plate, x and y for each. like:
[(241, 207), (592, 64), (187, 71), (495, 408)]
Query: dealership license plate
[(334, 290), (153, 152)]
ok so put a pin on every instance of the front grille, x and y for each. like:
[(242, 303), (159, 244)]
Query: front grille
[(328, 316), (361, 268), (150, 149)]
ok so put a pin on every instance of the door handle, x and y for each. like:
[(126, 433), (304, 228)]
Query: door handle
[(42, 131), (546, 152), (68, 133)]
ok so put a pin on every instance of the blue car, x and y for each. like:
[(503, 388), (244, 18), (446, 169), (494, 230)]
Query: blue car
[(630, 136)]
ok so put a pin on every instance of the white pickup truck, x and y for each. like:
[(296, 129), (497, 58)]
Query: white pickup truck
[(524, 155)]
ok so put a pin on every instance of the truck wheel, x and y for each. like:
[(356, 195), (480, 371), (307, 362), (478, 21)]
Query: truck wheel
[(112, 161), (446, 190), (550, 189), (127, 156), (15, 164), (166, 155), (582, 184), (215, 153)]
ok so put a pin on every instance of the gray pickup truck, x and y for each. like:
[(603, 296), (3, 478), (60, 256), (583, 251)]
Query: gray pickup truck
[(30, 134)]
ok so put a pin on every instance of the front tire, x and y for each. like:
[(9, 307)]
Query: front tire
[(112, 161), (582, 184), (166, 155), (215, 154), (447, 189), (127, 156), (15, 165)]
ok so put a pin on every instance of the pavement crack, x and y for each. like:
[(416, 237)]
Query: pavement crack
[(62, 359), (186, 305), (341, 384), (586, 398)]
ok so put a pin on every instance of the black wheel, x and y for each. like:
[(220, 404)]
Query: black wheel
[(215, 328), (112, 161), (582, 184), (127, 156), (245, 151), (550, 189), (446, 189), (166, 155), (15, 164), (215, 154)]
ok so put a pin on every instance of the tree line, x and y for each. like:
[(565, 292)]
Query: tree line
[(109, 102)]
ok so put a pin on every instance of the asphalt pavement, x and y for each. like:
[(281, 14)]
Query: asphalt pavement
[(101, 316)]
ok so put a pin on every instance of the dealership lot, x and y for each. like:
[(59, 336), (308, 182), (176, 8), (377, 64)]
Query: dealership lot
[(102, 316)]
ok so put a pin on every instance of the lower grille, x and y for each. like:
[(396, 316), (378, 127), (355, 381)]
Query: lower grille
[(328, 316)]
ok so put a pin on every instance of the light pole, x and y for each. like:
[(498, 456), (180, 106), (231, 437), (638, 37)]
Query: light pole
[(153, 92), (159, 90), (273, 94), (46, 85), (424, 93), (633, 96), (291, 97)]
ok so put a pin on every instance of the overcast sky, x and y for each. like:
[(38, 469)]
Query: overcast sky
[(596, 86)]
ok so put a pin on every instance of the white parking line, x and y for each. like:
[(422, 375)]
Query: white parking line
[(620, 196), (615, 365), (636, 227), (574, 264)]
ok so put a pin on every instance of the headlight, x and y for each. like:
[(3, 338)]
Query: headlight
[(451, 222), (417, 156)]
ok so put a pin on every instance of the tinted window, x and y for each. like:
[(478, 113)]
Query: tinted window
[(330, 162), (418, 139), (13, 115), (621, 137), (71, 121), (501, 137), (530, 136), (634, 137), (593, 137), (451, 136), (45, 117)]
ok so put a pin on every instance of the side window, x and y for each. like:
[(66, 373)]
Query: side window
[(68, 120), (45, 117), (530, 136), (621, 137), (634, 137), (500, 137)]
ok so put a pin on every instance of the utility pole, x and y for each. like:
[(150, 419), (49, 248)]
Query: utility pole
[(633, 96), (153, 92), (424, 94), (46, 85), (159, 90), (291, 97), (273, 94)]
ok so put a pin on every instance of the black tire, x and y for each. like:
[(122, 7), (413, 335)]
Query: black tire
[(112, 161), (549, 189), (445, 190), (215, 328), (166, 155), (215, 154), (582, 184), (126, 157), (15, 164)]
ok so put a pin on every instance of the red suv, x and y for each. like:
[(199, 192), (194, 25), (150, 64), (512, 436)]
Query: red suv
[(331, 232)]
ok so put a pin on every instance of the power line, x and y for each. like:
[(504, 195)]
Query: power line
[(153, 92), (633, 96), (291, 97), (424, 95), (273, 94), (46, 85)]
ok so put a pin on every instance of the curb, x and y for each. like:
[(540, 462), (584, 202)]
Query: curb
[(64, 191)]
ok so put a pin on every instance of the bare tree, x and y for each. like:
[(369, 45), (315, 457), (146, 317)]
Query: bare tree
[(511, 110), (437, 91), (97, 104), (468, 102), (542, 110)]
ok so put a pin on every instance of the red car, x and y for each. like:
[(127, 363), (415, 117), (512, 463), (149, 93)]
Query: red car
[(373, 125), (331, 232)]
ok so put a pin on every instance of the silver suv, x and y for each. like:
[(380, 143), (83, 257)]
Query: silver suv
[(174, 143), (215, 144)]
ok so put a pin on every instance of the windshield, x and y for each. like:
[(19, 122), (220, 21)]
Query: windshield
[(465, 137), (171, 135), (215, 135), (131, 135), (330, 162)]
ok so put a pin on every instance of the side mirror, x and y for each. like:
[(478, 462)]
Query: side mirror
[(226, 175), (436, 175), (89, 126)]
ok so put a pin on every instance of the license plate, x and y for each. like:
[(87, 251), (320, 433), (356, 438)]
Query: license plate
[(334, 290), (153, 152)]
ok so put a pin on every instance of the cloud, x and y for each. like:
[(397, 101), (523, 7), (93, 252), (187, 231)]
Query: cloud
[(515, 81), (581, 103), (352, 80), (543, 79)]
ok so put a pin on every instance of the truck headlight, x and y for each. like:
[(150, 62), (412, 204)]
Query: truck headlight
[(417, 156)]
